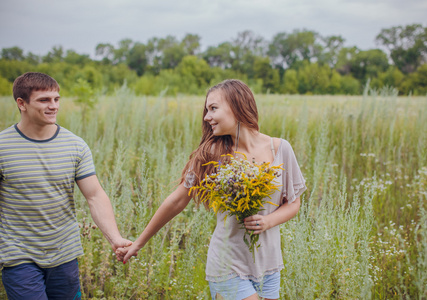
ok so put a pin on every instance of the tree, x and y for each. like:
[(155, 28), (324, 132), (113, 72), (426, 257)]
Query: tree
[(246, 41), (279, 51), (10, 69), (13, 53), (368, 64), (122, 52), (118, 75), (407, 46), (85, 97), (137, 58), (106, 51), (221, 56), (145, 85), (5, 87), (154, 55), (74, 58), (290, 82), (55, 55), (421, 80), (313, 78), (332, 46), (64, 73), (392, 77), (270, 77), (33, 58), (344, 60), (334, 83), (172, 52), (306, 45), (195, 73), (287, 49), (350, 85), (416, 83), (191, 44), (112, 55), (245, 48), (167, 53), (92, 76)]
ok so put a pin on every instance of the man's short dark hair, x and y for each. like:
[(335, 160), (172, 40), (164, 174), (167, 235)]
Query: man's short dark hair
[(25, 84)]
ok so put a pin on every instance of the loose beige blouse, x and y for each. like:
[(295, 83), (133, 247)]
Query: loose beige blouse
[(228, 255)]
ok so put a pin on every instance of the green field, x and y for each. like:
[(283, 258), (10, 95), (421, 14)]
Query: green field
[(361, 232)]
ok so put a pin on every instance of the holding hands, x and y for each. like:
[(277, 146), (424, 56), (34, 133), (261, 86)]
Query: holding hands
[(125, 253), (257, 223), (120, 244)]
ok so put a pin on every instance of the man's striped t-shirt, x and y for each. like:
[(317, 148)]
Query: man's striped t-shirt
[(37, 210)]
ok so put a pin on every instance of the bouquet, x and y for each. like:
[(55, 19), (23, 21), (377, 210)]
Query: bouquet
[(239, 188)]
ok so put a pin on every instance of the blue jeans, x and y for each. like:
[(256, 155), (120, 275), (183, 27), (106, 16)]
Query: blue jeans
[(237, 288), (30, 282)]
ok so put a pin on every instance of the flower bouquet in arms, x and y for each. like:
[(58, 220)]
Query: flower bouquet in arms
[(239, 188)]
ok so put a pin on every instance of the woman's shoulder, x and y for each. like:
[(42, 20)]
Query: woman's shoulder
[(283, 147), (281, 144), (276, 142), (267, 139)]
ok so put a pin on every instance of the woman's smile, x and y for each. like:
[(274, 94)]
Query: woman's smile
[(219, 115)]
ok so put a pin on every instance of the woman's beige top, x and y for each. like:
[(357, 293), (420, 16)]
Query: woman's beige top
[(228, 255)]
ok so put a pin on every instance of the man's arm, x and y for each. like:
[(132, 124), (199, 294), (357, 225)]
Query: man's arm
[(102, 211)]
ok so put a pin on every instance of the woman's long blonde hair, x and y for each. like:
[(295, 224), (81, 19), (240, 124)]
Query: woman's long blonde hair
[(242, 103)]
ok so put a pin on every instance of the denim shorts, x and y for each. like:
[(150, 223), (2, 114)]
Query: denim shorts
[(237, 288), (29, 281)]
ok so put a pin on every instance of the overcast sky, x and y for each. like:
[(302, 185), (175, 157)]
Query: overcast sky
[(38, 25)]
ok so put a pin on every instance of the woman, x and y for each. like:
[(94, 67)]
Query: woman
[(231, 124)]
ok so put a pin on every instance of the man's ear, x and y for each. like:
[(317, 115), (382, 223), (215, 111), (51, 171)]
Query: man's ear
[(21, 104)]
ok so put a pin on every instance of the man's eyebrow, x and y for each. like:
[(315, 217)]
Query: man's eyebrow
[(41, 98), (46, 97)]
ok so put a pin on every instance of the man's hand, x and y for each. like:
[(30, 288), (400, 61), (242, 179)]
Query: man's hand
[(121, 243), (102, 211), (124, 253)]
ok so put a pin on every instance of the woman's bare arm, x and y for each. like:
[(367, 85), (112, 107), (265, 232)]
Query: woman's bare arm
[(172, 206)]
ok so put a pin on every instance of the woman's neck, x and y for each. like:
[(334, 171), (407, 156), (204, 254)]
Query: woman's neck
[(254, 145), (246, 139)]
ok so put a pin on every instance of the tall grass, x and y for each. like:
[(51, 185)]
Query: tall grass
[(361, 232)]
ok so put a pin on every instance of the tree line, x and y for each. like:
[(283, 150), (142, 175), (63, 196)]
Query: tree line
[(298, 62)]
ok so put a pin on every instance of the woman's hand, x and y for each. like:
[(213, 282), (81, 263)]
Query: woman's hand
[(261, 223), (173, 205), (124, 253), (257, 223)]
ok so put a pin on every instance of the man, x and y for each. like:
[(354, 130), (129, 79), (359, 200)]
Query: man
[(39, 163)]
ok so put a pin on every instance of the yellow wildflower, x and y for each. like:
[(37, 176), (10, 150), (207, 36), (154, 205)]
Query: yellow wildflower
[(239, 188)]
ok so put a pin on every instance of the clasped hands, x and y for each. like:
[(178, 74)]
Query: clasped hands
[(123, 254), (257, 223)]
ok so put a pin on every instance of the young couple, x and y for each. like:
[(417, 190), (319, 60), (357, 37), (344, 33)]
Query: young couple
[(40, 161)]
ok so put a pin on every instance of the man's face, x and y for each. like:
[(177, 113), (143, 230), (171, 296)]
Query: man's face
[(42, 107)]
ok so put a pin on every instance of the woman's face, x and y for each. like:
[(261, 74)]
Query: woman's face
[(220, 116)]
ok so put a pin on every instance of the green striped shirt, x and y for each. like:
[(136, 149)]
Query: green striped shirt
[(37, 210)]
